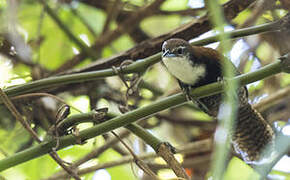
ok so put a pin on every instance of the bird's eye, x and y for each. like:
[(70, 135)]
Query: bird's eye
[(180, 50)]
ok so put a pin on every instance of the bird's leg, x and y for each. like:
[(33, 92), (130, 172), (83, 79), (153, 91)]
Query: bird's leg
[(242, 92), (201, 105), (220, 79), (223, 80), (186, 90)]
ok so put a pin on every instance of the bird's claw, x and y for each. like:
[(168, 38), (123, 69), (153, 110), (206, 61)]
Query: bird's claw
[(186, 92), (223, 80), (188, 97)]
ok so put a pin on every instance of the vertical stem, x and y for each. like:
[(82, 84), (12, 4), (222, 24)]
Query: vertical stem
[(228, 108)]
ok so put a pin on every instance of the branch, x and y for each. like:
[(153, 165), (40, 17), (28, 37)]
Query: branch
[(96, 152), (76, 13), (272, 26), (67, 31), (110, 36), (193, 147), (161, 148), (34, 135), (272, 99), (152, 46), (80, 77), (138, 114), (107, 63), (138, 66)]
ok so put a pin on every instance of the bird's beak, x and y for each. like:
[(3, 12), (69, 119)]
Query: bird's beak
[(168, 54), (165, 53)]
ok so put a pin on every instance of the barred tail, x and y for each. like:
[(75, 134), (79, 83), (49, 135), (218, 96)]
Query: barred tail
[(252, 133)]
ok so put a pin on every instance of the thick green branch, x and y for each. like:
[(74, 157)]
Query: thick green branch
[(50, 82), (145, 136), (135, 115), (138, 66), (90, 117), (272, 26)]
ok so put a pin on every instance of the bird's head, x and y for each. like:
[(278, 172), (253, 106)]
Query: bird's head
[(175, 48), (178, 57)]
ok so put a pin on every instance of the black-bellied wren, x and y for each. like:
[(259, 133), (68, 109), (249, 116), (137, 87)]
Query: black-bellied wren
[(195, 66)]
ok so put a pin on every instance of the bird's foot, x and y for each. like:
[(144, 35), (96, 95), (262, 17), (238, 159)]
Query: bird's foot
[(186, 92), (222, 80), (195, 100)]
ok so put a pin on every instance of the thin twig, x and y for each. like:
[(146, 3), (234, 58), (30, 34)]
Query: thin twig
[(272, 99), (112, 12), (18, 117), (138, 114), (137, 161), (39, 27), (66, 30), (110, 36), (190, 148), (147, 137), (151, 46), (135, 67), (83, 20), (96, 152), (154, 142)]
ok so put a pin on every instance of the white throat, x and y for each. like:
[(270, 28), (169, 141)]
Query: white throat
[(184, 70)]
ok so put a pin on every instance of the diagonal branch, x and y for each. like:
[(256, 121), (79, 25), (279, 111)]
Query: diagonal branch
[(110, 36), (139, 66), (193, 147), (187, 32), (138, 114), (34, 135), (89, 52)]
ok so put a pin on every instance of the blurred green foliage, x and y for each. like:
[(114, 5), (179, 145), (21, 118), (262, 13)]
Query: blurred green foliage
[(56, 48)]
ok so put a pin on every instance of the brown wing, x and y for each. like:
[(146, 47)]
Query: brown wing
[(204, 53)]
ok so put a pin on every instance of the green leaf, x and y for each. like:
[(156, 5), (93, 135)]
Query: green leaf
[(237, 169)]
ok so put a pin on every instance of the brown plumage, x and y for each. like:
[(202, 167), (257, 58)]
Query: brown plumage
[(252, 133)]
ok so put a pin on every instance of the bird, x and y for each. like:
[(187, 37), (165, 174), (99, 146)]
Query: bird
[(195, 66)]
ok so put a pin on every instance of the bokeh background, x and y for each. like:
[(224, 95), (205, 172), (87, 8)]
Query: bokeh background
[(33, 45)]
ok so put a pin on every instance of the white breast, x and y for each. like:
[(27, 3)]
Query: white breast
[(183, 70)]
